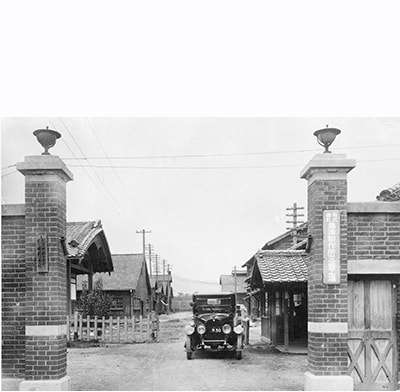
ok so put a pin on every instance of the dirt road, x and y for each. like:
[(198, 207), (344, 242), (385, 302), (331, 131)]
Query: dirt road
[(163, 366)]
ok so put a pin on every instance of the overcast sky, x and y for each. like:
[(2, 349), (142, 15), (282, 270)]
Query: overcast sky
[(206, 213)]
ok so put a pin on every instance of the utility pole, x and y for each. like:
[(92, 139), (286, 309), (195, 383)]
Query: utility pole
[(157, 293), (295, 221), (157, 256), (234, 274), (151, 247), (143, 232), (168, 296)]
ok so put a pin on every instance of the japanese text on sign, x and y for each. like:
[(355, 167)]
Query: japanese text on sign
[(331, 244)]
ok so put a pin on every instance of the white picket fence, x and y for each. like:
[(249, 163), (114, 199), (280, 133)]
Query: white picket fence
[(113, 329)]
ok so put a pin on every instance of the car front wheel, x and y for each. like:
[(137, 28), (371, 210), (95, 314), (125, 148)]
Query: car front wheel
[(188, 347)]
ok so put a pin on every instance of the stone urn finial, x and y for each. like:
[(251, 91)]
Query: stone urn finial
[(326, 137), (47, 138)]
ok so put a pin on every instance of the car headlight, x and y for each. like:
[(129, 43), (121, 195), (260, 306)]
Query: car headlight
[(189, 329), (238, 329), (226, 329), (201, 329)]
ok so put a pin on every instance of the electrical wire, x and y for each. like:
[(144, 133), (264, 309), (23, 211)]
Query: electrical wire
[(7, 174), (177, 277), (217, 167), (116, 174), (210, 155), (127, 220)]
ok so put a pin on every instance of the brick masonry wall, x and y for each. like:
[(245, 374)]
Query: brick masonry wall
[(46, 302), (45, 213), (373, 236), (327, 303), (13, 296), (398, 323), (45, 358), (325, 352)]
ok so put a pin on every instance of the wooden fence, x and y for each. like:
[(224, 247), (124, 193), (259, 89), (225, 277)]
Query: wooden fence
[(113, 329)]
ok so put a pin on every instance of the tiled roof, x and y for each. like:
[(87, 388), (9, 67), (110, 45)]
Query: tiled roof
[(80, 235), (390, 194), (282, 265), (227, 283), (127, 269)]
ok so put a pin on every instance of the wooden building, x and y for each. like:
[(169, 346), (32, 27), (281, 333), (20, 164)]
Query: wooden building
[(284, 241), (235, 283), (129, 285), (280, 276), (87, 253), (163, 292)]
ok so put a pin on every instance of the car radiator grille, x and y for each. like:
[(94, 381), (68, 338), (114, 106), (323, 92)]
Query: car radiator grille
[(214, 330)]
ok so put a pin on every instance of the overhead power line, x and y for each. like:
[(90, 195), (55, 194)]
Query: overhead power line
[(109, 198), (215, 167), (230, 154), (116, 173), (11, 172)]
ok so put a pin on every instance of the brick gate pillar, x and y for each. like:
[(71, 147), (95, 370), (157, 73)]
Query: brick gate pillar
[(327, 273), (46, 281)]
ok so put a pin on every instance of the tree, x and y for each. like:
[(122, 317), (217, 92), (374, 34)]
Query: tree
[(95, 302)]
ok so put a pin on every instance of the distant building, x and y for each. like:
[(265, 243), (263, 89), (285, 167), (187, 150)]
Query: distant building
[(129, 285), (163, 293), (235, 283)]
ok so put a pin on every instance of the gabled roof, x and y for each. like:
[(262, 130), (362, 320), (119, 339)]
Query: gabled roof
[(160, 282), (275, 240), (227, 283), (284, 235), (390, 194), (127, 271), (278, 266), (80, 235), (87, 241)]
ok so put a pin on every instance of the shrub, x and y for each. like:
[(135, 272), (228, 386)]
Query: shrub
[(95, 302)]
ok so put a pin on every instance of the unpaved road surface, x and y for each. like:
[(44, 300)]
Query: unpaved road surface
[(163, 366)]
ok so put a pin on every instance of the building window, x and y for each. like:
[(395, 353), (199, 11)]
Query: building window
[(117, 303), (73, 288)]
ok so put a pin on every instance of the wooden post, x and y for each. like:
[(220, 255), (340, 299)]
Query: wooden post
[(68, 327), (141, 327), (273, 318), (148, 326), (68, 287), (111, 328), (90, 277), (285, 322), (118, 331), (291, 316), (103, 328), (126, 328), (95, 327), (262, 302), (80, 326), (87, 327), (133, 328), (75, 323)]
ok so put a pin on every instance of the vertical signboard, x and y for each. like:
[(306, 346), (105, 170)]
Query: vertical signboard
[(331, 244)]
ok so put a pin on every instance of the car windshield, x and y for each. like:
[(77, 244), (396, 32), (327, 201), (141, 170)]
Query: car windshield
[(213, 305)]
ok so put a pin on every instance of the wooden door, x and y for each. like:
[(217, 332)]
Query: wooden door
[(372, 349)]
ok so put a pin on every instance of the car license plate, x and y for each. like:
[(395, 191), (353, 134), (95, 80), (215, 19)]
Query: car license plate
[(216, 329)]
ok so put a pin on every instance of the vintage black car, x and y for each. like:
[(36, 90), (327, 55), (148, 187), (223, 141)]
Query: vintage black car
[(216, 326)]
